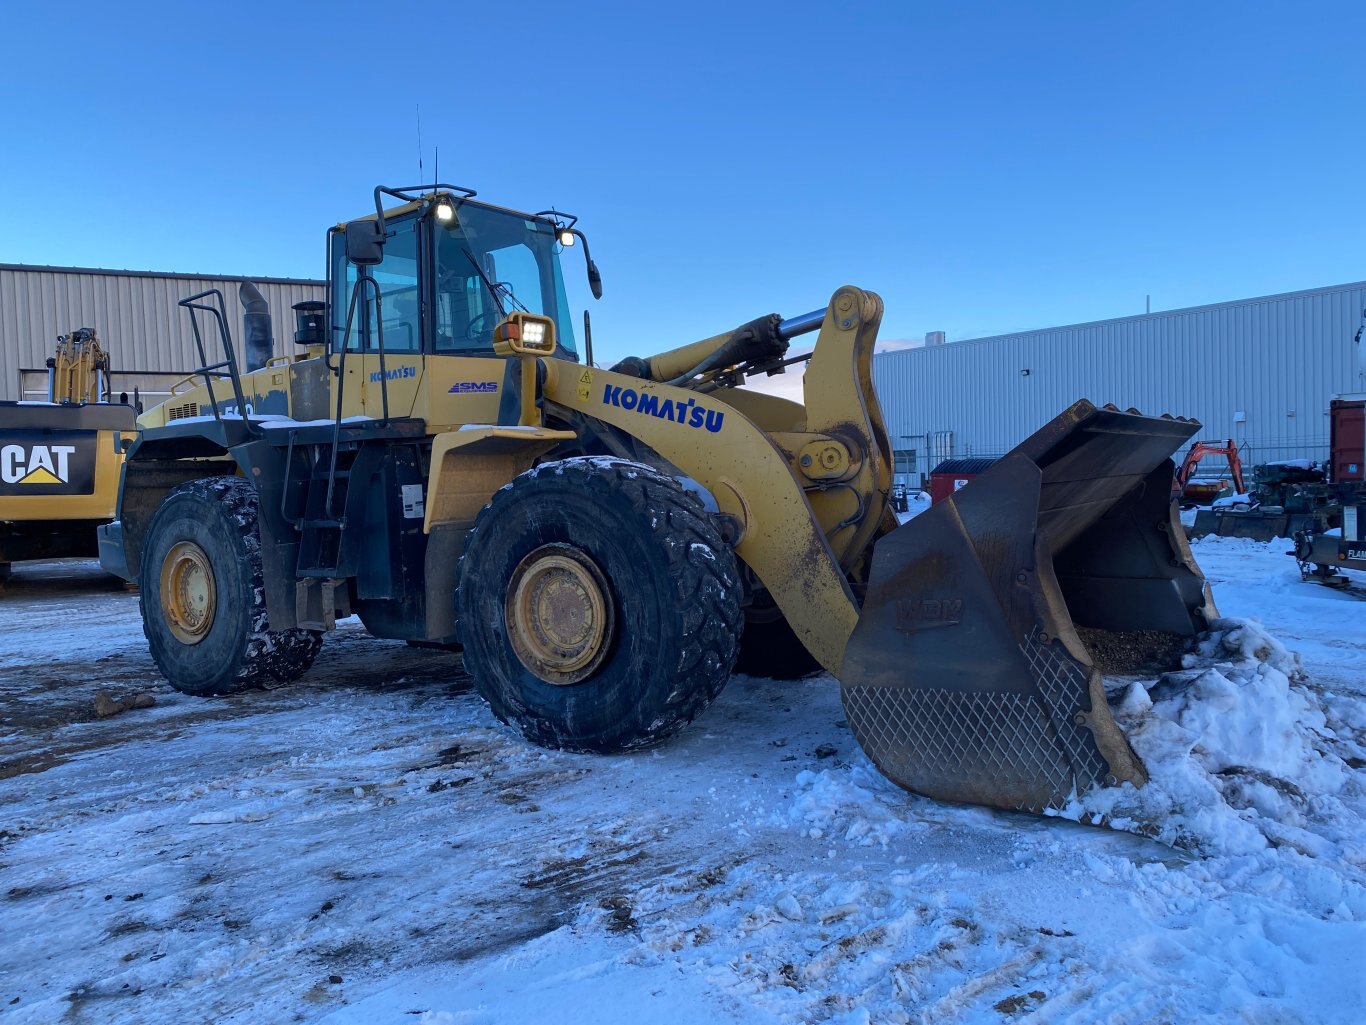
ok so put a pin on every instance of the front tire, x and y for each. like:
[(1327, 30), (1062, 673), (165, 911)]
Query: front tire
[(202, 595), (598, 606)]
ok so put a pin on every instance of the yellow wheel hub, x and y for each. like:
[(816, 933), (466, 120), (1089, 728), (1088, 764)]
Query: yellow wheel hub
[(559, 614), (188, 595)]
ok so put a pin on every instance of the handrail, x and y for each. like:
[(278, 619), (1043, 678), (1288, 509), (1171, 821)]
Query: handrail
[(364, 280), (219, 313)]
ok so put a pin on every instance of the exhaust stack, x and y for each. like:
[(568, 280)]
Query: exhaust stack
[(257, 340)]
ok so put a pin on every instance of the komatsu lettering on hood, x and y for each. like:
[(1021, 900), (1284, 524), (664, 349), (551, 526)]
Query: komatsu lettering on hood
[(680, 412)]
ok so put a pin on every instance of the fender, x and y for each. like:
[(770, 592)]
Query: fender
[(468, 466), (161, 459)]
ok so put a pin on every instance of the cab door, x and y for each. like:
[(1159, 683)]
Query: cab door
[(399, 319)]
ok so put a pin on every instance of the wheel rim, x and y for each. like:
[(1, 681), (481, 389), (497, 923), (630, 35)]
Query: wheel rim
[(559, 614), (188, 595)]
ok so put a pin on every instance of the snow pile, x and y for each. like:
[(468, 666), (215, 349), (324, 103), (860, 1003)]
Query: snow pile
[(845, 804), (1240, 753)]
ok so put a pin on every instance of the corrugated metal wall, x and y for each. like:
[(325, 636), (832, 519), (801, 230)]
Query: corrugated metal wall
[(1261, 371), (135, 314)]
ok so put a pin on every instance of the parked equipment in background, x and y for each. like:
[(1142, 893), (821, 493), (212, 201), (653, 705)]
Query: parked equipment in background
[(1298, 497), (603, 544), (1347, 438), (1321, 554), (901, 501), (1190, 490), (59, 466), (78, 369), (1334, 538), (1283, 499)]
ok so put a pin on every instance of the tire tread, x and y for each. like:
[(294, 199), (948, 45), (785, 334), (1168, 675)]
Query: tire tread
[(705, 590), (267, 656)]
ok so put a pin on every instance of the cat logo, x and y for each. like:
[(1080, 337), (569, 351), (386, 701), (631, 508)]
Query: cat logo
[(38, 464), (47, 462)]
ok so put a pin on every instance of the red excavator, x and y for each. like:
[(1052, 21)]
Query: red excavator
[(1189, 490)]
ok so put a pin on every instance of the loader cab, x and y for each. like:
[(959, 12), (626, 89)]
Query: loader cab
[(450, 269)]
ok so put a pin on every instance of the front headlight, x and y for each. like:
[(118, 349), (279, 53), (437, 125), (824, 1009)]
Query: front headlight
[(533, 333), (524, 333)]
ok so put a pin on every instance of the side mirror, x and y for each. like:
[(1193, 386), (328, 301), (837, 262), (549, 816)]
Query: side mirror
[(364, 242), (566, 236)]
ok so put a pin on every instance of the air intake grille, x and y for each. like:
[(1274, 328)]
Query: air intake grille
[(183, 411)]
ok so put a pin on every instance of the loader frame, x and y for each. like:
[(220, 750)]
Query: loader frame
[(963, 642)]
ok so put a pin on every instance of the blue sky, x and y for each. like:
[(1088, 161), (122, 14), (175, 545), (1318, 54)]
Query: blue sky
[(984, 166)]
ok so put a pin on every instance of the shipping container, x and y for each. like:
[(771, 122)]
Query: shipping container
[(1348, 439), (953, 474)]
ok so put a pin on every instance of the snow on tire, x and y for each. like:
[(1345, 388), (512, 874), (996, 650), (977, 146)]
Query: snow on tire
[(627, 552), (202, 594)]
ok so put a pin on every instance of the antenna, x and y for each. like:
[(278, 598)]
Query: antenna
[(437, 170), (419, 142)]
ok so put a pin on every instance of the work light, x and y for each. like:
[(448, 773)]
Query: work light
[(533, 333)]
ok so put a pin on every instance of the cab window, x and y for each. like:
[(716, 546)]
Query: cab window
[(397, 276), (488, 263)]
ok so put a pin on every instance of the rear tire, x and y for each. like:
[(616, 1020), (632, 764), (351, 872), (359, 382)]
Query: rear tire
[(598, 606), (208, 628)]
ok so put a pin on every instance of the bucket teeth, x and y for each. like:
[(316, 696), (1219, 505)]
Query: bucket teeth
[(967, 678)]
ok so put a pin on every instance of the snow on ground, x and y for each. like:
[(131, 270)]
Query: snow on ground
[(370, 846), (916, 503)]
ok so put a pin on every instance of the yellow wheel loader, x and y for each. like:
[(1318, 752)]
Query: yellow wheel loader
[(59, 464), (440, 461)]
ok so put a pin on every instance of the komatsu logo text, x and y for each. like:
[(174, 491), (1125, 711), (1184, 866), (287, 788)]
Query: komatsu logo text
[(464, 387), (393, 375), (676, 410), (38, 464)]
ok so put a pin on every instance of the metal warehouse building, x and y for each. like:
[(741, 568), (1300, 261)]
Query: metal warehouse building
[(134, 313), (1259, 371)]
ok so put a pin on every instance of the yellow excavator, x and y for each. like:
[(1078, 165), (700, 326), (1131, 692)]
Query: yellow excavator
[(603, 544), (59, 465)]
